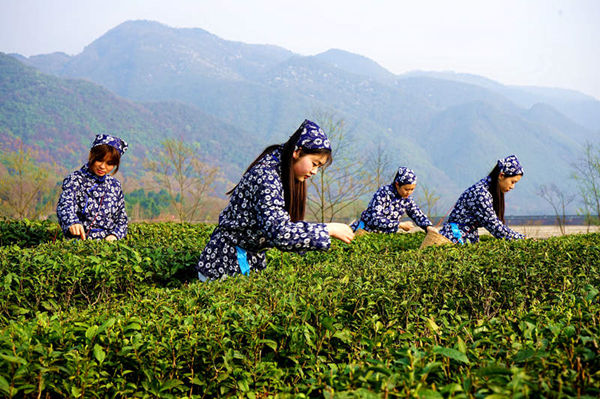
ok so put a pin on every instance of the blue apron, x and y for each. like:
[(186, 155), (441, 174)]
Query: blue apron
[(456, 233), (361, 225), (242, 257)]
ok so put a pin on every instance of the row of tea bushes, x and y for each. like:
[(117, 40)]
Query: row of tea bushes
[(28, 233), (243, 339), (478, 279), (64, 273), (373, 318)]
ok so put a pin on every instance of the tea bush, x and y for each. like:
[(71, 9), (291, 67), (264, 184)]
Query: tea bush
[(28, 233), (375, 318)]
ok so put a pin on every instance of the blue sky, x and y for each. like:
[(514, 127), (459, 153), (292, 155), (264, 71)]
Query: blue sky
[(553, 43)]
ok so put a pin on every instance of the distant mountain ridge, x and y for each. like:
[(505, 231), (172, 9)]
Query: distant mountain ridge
[(581, 108), (356, 64), (449, 127)]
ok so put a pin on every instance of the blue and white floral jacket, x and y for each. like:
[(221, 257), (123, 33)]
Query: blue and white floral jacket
[(256, 219), (474, 209), (96, 202), (385, 209)]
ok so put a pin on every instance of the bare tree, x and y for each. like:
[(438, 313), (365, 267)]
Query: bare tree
[(336, 189), (427, 200), (380, 165), (559, 202), (587, 176), (184, 176), (28, 189)]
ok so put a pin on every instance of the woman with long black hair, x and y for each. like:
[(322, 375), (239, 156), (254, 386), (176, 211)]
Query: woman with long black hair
[(267, 207), (482, 205)]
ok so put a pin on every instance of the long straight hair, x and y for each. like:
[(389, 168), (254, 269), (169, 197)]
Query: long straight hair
[(497, 194), (294, 191)]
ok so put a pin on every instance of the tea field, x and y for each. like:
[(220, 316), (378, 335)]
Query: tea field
[(377, 318)]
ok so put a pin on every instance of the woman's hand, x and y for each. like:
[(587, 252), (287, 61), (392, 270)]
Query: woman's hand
[(111, 237), (431, 228), (77, 230), (340, 231), (406, 226)]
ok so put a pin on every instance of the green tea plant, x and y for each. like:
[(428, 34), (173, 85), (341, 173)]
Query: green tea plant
[(374, 318), (28, 233)]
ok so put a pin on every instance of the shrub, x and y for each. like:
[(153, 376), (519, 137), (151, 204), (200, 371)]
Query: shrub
[(377, 317)]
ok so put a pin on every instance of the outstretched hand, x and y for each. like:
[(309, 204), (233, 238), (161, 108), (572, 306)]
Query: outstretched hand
[(340, 231), (406, 226), (77, 230)]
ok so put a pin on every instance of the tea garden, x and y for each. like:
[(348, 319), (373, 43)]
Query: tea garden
[(375, 318)]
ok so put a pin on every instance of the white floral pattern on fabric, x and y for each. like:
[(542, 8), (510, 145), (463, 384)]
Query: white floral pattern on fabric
[(474, 209), (510, 166), (255, 219), (85, 196), (119, 144), (385, 209), (312, 137), (405, 175)]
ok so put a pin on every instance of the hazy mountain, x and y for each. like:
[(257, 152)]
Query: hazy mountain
[(581, 108), (450, 127), (52, 63), (149, 53), (356, 64)]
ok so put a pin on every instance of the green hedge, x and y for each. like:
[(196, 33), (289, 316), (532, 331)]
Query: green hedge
[(28, 233), (375, 318)]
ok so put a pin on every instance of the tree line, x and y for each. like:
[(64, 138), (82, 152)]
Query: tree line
[(179, 186)]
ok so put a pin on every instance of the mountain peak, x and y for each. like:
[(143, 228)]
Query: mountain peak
[(143, 26), (355, 63)]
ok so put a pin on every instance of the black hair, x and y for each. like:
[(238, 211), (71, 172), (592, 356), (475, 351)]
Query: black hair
[(497, 193), (294, 191)]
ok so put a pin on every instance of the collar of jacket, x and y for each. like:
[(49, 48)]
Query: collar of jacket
[(87, 172)]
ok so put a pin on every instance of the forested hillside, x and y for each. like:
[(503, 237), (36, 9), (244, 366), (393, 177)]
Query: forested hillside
[(60, 117)]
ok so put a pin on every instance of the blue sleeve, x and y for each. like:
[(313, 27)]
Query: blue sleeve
[(66, 210), (282, 232), (374, 216), (120, 216), (486, 216), (417, 215)]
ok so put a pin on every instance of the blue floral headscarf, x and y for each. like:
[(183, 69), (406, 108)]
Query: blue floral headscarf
[(112, 141), (405, 176), (312, 137), (510, 166)]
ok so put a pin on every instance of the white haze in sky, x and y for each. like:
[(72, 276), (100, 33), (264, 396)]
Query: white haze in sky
[(553, 43)]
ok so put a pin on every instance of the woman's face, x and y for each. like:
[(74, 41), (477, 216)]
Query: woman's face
[(507, 183), (405, 190), (104, 167), (307, 165)]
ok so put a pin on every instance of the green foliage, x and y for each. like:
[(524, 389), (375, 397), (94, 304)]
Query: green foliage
[(375, 318), (27, 233), (151, 203)]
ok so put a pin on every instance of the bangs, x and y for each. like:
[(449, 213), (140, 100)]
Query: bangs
[(105, 153)]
